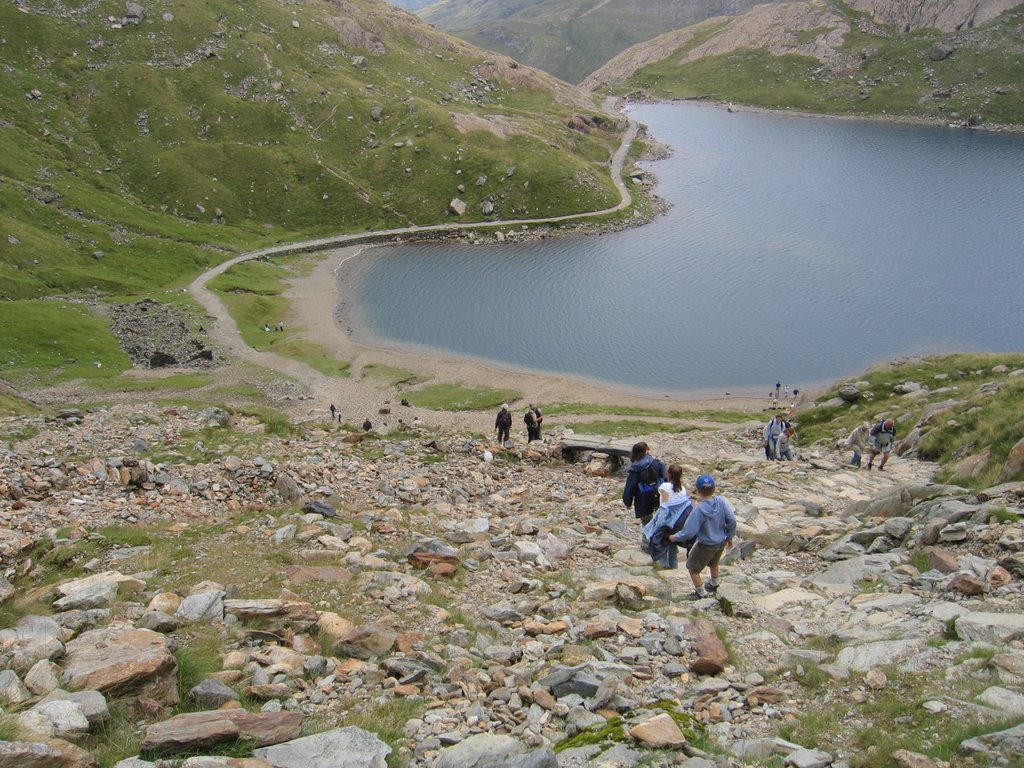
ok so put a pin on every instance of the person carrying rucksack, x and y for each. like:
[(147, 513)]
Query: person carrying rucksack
[(533, 419), (503, 423), (713, 524), (772, 432), (882, 436), (645, 474)]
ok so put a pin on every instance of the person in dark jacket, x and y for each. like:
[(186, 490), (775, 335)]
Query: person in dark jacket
[(503, 423), (640, 495)]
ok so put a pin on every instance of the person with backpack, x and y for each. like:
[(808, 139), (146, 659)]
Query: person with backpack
[(645, 475), (713, 524), (533, 418), (503, 423), (881, 439), (673, 509), (772, 432)]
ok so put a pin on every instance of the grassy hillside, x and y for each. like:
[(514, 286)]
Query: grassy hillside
[(875, 70), (966, 407), (568, 38), (134, 155)]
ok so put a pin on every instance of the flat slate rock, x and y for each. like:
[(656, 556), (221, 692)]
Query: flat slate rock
[(349, 747)]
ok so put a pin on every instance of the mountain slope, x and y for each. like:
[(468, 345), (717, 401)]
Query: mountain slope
[(569, 38), (870, 57), (137, 146)]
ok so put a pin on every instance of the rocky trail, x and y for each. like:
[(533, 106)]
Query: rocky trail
[(207, 590)]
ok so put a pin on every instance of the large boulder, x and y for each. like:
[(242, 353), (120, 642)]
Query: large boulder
[(52, 753), (194, 731), (121, 660), (349, 747)]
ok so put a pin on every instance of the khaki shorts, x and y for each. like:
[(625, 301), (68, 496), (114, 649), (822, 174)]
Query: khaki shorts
[(703, 556)]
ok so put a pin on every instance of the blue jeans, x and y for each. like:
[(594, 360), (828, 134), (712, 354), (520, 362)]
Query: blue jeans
[(855, 461)]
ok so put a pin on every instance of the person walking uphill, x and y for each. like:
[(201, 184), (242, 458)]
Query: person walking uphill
[(646, 473), (772, 432), (883, 435), (503, 423), (713, 523)]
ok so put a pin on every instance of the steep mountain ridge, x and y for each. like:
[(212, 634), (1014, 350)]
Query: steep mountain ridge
[(569, 38), (955, 61)]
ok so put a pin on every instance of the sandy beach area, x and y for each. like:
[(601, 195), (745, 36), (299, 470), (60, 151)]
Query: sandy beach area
[(315, 298)]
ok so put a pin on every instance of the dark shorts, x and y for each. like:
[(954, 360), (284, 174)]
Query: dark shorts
[(704, 556)]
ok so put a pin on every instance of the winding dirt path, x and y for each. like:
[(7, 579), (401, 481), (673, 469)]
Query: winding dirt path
[(314, 298)]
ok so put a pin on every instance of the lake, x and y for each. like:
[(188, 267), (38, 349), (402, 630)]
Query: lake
[(797, 249)]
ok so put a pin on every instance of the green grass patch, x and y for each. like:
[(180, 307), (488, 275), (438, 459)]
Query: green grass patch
[(719, 417), (198, 658), (456, 397), (387, 720), (56, 341), (12, 405), (169, 383), (389, 376)]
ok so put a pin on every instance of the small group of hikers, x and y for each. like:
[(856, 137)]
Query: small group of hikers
[(779, 438), (875, 440), (533, 418), (670, 519)]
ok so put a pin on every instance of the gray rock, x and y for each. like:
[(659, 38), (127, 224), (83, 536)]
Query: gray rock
[(349, 747), (940, 51), (992, 628), (1009, 742), (43, 677), (11, 689), (212, 694), (319, 507), (158, 621), (850, 393), (482, 750), (1003, 699), (94, 596), (809, 758), (283, 534), (68, 717), (134, 762), (93, 703), (205, 606)]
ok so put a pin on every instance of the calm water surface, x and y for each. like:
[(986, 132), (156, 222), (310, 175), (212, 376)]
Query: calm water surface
[(797, 249)]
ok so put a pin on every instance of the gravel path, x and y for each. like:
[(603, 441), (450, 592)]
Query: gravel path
[(315, 296)]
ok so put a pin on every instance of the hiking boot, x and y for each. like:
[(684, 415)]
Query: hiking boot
[(695, 595), (711, 588)]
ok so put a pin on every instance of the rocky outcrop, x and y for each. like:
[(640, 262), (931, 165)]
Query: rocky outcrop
[(947, 15), (122, 660)]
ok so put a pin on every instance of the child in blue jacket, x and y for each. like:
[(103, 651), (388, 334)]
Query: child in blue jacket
[(713, 523)]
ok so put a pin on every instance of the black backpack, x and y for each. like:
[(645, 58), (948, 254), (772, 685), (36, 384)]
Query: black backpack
[(505, 419), (649, 479)]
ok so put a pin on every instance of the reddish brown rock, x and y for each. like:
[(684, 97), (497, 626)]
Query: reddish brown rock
[(711, 654), (120, 660), (52, 753), (198, 730), (600, 628), (660, 731), (442, 570), (366, 642), (966, 584), (941, 560)]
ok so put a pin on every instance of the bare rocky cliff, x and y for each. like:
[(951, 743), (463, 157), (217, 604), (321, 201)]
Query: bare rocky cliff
[(947, 15), (787, 28)]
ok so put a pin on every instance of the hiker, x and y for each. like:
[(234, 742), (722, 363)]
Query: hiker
[(772, 431), (646, 473), (858, 440), (673, 509), (784, 446), (503, 423), (880, 440), (778, 386), (334, 413), (713, 523), (266, 328), (533, 418)]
